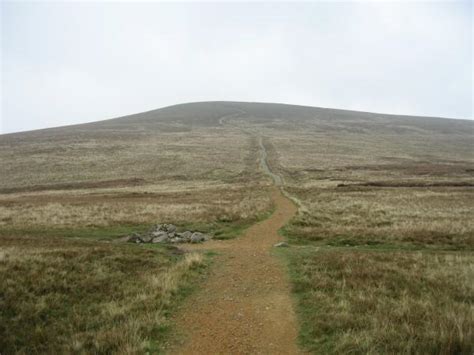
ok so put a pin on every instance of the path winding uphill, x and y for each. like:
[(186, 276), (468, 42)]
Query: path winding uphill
[(244, 307)]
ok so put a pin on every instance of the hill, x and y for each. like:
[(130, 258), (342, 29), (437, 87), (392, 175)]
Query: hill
[(381, 246), (189, 142)]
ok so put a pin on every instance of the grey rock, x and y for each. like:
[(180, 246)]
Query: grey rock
[(197, 237), (281, 245), (170, 228), (186, 235), (158, 234), (146, 238), (166, 233), (161, 239)]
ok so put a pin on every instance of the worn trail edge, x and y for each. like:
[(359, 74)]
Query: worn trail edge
[(244, 306)]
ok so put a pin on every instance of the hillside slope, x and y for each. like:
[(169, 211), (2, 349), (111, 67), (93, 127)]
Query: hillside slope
[(188, 141), (381, 246)]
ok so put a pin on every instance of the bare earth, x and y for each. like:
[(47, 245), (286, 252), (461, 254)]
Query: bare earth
[(245, 305)]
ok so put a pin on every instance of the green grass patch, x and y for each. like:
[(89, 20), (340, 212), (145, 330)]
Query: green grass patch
[(314, 237), (225, 229)]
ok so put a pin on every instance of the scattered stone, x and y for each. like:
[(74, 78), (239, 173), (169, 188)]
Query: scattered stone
[(281, 245), (156, 234), (170, 228), (166, 233), (163, 238), (197, 237), (146, 238), (186, 235)]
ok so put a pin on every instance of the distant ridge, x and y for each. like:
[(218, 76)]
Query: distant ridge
[(208, 113)]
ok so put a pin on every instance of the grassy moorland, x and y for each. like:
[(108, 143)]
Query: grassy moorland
[(178, 166), (383, 242), (65, 193), (379, 302), (420, 218), (382, 253), (100, 213), (74, 296)]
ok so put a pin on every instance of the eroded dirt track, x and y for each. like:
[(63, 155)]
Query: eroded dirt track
[(244, 307)]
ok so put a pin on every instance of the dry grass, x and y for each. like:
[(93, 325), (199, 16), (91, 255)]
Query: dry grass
[(149, 151), (305, 156), (364, 178), (65, 296), (88, 209), (379, 303), (360, 287), (409, 187), (436, 217), (177, 166)]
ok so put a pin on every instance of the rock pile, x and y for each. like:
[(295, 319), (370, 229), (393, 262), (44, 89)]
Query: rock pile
[(167, 233)]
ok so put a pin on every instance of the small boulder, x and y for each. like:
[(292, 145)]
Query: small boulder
[(281, 245), (163, 238), (185, 235), (146, 238), (171, 228), (197, 237), (156, 230)]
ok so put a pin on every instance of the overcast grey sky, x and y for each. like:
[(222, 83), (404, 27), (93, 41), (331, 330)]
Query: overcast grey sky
[(69, 62)]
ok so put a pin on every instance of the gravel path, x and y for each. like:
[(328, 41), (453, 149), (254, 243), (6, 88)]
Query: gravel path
[(244, 306)]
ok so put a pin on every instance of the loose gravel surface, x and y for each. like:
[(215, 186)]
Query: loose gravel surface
[(244, 306)]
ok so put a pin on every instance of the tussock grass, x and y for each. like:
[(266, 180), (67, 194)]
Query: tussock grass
[(408, 180), (384, 302), (214, 209), (423, 218), (405, 184), (72, 296), (93, 155)]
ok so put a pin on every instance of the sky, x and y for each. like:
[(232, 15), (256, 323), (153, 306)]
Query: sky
[(70, 62)]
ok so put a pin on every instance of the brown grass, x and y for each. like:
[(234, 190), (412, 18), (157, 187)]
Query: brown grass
[(405, 184), (393, 216), (72, 209), (76, 186), (410, 188), (65, 296), (96, 154), (379, 303)]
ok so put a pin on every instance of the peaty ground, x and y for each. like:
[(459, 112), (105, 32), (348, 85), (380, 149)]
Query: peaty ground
[(245, 305)]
